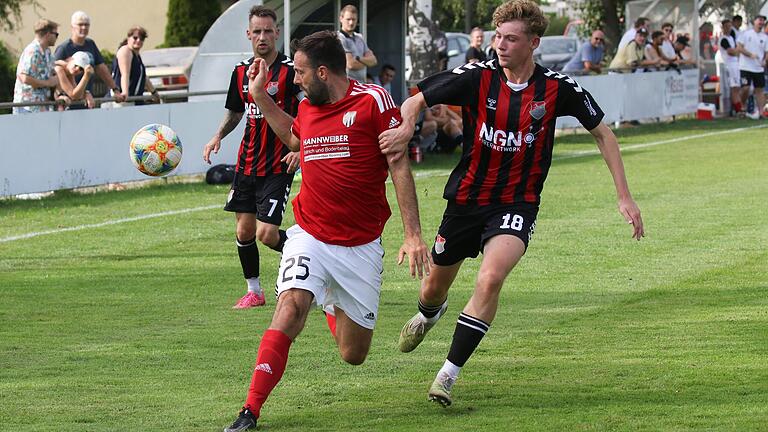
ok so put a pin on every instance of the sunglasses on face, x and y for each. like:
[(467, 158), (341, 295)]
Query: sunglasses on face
[(140, 38), (55, 34), (598, 39)]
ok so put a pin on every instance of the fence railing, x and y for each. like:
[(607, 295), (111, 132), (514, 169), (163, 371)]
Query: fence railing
[(165, 97)]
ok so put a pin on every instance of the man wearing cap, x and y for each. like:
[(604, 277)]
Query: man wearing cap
[(629, 35), (684, 52), (74, 76), (753, 44), (633, 55), (34, 72), (79, 41)]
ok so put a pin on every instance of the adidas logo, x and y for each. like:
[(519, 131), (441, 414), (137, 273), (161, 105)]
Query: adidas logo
[(370, 316), (264, 367), (393, 122)]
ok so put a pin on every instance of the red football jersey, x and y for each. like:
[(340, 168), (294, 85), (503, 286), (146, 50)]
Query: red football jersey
[(343, 200)]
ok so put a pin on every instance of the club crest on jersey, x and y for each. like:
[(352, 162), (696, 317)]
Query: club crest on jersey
[(272, 88), (349, 118), (439, 244), (538, 109)]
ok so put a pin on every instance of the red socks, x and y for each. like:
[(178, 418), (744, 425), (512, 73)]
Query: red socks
[(270, 365), (737, 107), (331, 319)]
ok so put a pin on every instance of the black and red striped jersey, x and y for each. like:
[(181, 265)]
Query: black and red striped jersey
[(260, 149), (509, 129)]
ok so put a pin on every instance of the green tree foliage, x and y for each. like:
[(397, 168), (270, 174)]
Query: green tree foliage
[(189, 20), (606, 15), (451, 14), (556, 25), (7, 76), (10, 12)]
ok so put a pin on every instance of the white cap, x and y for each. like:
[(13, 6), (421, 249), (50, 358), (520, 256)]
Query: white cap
[(82, 59)]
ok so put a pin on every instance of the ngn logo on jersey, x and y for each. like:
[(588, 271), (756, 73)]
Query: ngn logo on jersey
[(349, 118)]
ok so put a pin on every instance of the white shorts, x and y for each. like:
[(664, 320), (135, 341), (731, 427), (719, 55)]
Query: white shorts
[(347, 277), (734, 75)]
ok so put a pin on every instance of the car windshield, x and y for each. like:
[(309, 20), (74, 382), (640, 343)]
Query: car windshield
[(168, 57), (557, 46)]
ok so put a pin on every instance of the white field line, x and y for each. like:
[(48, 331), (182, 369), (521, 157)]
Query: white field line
[(423, 174)]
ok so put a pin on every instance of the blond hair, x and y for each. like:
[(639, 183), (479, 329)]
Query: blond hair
[(522, 10)]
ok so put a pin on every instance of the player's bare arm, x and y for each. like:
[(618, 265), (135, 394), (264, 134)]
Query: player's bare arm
[(609, 148), (395, 141), (419, 256), (230, 122), (278, 120)]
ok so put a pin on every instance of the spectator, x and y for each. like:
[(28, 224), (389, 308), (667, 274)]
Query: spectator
[(70, 88), (736, 21), (359, 56), (706, 32), (753, 44), (633, 54), (729, 52), (640, 23), (79, 41), (442, 130), (474, 52), (440, 40), (668, 47), (590, 55), (684, 52), (128, 70), (385, 77), (34, 73), (490, 50), (653, 51)]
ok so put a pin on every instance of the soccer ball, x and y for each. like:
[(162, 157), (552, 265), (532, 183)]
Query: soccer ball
[(155, 150)]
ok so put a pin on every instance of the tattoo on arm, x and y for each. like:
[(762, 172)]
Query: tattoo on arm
[(231, 120)]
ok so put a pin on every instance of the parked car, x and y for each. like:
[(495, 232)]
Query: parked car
[(556, 51), (168, 68)]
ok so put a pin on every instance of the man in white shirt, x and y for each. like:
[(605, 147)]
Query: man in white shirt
[(641, 22), (669, 37), (729, 52), (753, 44)]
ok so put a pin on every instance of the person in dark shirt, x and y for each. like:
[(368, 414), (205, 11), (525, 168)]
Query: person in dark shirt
[(509, 109), (128, 70), (79, 41), (475, 52)]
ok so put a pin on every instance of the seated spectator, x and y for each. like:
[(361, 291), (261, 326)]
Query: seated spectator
[(385, 77), (654, 51), (589, 56), (632, 56), (684, 52), (667, 47), (128, 70), (34, 74), (441, 131), (67, 71), (474, 52)]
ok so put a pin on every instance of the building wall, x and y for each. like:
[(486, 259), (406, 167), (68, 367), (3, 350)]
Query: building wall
[(110, 20)]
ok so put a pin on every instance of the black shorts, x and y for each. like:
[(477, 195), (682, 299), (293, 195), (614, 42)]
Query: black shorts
[(266, 197), (465, 228), (755, 78)]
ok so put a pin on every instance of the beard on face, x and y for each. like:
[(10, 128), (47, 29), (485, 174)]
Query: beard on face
[(317, 92)]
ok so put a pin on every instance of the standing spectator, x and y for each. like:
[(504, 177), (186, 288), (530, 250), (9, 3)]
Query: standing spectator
[(490, 50), (359, 56), (737, 21), (729, 52), (640, 23), (590, 55), (72, 86), (35, 73), (385, 77), (79, 41), (633, 54), (475, 52), (753, 45), (128, 70), (685, 55), (653, 51), (668, 47)]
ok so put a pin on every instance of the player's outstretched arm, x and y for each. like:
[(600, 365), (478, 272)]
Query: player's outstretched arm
[(419, 257), (609, 148), (394, 142), (278, 120), (230, 122)]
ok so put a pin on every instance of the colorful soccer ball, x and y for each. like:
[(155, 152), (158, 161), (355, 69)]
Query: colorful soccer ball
[(155, 150)]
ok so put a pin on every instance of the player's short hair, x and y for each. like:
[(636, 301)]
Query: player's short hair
[(44, 26), (388, 66), (263, 12), (79, 16), (322, 48), (737, 18), (522, 10), (348, 8)]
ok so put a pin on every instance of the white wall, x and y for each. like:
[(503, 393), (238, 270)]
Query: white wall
[(48, 151)]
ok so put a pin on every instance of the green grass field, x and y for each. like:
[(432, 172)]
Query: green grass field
[(129, 326)]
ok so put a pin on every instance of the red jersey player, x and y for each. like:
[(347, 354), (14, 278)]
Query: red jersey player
[(333, 255), (264, 169)]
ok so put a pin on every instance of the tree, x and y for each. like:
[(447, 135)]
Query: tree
[(10, 12), (188, 21), (606, 15)]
